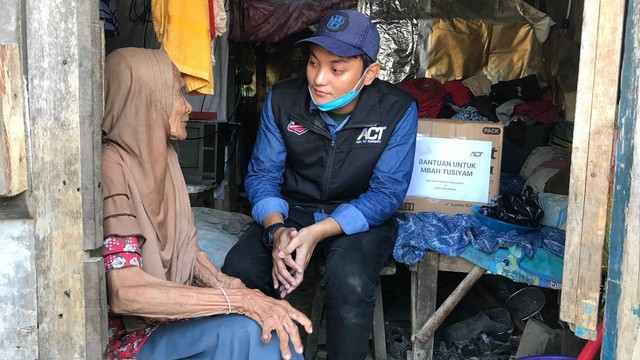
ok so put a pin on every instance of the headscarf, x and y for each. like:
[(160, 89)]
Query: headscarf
[(143, 187)]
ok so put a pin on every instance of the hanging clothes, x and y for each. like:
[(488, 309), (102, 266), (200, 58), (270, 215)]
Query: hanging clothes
[(108, 15), (183, 32)]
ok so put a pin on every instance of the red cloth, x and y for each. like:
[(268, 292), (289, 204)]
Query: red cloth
[(212, 20), (542, 111), (121, 252), (429, 94), (272, 21), (460, 93)]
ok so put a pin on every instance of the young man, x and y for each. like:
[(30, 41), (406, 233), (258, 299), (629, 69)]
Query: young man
[(331, 165)]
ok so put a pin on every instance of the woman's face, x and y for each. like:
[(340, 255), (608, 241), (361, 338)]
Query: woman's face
[(181, 108)]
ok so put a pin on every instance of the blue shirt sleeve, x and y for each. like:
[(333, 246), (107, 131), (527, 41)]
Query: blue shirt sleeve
[(389, 182), (266, 168)]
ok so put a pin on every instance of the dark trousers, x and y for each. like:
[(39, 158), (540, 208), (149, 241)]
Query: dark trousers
[(350, 281)]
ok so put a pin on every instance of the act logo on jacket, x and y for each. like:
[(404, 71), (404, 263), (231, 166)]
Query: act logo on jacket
[(371, 135), (296, 128)]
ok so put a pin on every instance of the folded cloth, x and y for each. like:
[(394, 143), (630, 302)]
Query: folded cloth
[(469, 113), (429, 94), (183, 32), (480, 85)]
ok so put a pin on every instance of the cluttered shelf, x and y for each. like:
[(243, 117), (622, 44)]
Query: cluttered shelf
[(430, 242)]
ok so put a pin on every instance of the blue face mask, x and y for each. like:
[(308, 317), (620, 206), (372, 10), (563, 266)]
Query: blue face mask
[(340, 101)]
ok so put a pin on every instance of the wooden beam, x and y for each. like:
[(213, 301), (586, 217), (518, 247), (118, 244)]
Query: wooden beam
[(621, 323), (591, 167), (54, 59), (13, 149), (433, 323), (96, 308), (454, 264), (91, 67), (424, 288)]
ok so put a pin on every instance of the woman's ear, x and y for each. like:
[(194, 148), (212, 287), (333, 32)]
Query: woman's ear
[(371, 73)]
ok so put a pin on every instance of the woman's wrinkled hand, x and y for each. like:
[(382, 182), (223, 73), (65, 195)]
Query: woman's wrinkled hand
[(279, 316)]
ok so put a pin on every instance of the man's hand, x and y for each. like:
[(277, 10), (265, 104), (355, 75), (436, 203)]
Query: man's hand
[(303, 243), (284, 267), (278, 315)]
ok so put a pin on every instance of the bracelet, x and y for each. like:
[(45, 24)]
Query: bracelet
[(226, 297)]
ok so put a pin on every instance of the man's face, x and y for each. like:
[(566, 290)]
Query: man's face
[(181, 109), (331, 76)]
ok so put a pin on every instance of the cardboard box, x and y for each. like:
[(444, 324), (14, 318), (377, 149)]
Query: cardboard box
[(457, 165)]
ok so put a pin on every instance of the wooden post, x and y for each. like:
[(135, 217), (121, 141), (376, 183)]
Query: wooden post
[(91, 44), (591, 164), (62, 168), (621, 323), (435, 320), (424, 288)]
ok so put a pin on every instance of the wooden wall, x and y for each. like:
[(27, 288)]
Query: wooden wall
[(591, 164), (52, 288), (622, 310), (18, 292), (13, 151)]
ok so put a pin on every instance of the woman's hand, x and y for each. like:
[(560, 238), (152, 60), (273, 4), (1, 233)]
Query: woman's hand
[(274, 315)]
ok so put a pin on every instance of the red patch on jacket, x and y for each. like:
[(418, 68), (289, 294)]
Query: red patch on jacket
[(296, 128)]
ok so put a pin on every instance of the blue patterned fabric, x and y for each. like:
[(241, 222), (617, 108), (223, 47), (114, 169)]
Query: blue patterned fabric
[(451, 235), (469, 113)]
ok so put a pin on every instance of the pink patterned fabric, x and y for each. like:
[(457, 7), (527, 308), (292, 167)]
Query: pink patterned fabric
[(121, 252)]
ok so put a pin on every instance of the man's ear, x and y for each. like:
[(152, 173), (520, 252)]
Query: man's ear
[(371, 73)]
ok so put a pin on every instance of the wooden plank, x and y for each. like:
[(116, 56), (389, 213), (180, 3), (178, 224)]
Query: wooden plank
[(54, 60), (13, 149), (91, 41), (379, 339), (18, 293), (424, 288), (96, 308), (454, 264), (622, 324), (591, 163)]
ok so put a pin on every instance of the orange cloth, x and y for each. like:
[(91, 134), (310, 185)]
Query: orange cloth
[(184, 34)]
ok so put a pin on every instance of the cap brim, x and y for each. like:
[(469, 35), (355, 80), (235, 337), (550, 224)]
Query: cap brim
[(336, 47)]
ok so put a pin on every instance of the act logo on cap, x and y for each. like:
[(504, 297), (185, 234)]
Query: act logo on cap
[(337, 22)]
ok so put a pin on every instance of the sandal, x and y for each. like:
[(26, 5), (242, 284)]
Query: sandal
[(398, 341)]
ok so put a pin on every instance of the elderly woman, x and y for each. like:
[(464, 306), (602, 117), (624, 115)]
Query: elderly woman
[(168, 301)]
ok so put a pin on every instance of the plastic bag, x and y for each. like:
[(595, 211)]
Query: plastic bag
[(522, 209)]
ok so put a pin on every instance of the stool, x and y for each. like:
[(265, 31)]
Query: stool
[(318, 336)]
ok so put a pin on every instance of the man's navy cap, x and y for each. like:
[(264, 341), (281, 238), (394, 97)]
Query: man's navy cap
[(347, 33)]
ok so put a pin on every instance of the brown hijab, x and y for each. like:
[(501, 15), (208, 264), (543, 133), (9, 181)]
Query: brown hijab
[(144, 190)]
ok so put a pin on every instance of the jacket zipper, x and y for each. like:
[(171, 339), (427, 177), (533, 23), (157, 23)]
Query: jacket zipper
[(325, 185)]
